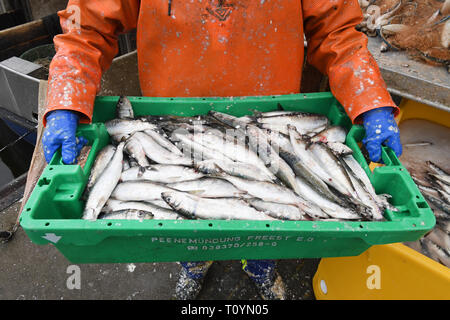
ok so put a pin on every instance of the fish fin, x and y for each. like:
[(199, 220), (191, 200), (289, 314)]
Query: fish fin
[(346, 151), (141, 171), (307, 139)]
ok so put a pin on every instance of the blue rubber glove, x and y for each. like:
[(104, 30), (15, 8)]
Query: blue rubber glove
[(60, 132), (381, 129)]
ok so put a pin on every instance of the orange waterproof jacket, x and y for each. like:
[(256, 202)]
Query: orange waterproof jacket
[(216, 48)]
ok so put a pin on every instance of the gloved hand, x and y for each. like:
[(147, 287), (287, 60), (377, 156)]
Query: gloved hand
[(381, 129), (60, 132)]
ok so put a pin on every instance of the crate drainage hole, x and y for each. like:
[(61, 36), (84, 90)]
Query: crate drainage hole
[(422, 205), (109, 224), (268, 225), (210, 224), (47, 224), (44, 182), (160, 224)]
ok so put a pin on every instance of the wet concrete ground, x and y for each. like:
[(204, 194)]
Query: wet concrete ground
[(36, 272)]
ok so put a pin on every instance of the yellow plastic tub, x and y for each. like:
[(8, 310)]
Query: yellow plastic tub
[(385, 272), (392, 271)]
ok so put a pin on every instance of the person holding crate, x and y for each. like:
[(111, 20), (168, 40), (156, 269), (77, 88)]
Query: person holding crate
[(217, 48)]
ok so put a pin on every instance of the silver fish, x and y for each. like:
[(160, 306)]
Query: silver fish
[(101, 161), (246, 119), (164, 142), (437, 202), (374, 212), (106, 182), (159, 213), (439, 237), (229, 120), (435, 252), (353, 167), (124, 109), (329, 208), (232, 148), (162, 173), (339, 149), (268, 152), (264, 190), (206, 208), (160, 203), (325, 158), (278, 210), (124, 127), (277, 113), (138, 191), (444, 196), (304, 123), (275, 127), (436, 169), (127, 214), (234, 168), (300, 167), (442, 178), (209, 188), (439, 173), (134, 149), (309, 161), (443, 225), (425, 189), (195, 150), (159, 154), (444, 187), (330, 134)]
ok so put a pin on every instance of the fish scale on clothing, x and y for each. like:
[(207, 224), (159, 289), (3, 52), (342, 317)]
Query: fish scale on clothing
[(199, 48)]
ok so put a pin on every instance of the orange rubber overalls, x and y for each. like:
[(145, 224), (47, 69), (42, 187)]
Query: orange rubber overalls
[(189, 48)]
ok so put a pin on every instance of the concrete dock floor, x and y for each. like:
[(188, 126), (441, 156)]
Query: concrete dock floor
[(40, 272)]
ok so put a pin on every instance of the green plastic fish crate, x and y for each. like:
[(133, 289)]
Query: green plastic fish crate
[(54, 209)]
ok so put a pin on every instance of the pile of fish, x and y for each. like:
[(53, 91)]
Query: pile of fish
[(275, 165), (436, 190), (421, 27)]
